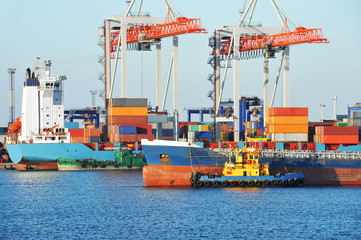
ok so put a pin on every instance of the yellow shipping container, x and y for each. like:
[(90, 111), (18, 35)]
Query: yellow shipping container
[(128, 111), (204, 128), (288, 120), (288, 128), (224, 136)]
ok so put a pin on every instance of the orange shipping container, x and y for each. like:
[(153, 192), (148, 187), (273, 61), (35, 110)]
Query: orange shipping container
[(289, 128), (224, 128), (288, 120), (285, 111), (128, 111), (78, 140)]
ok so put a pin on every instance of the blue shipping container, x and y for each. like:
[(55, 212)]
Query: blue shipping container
[(167, 132), (71, 125), (203, 135), (127, 129)]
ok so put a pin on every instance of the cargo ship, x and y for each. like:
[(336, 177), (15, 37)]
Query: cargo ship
[(172, 163), (38, 138)]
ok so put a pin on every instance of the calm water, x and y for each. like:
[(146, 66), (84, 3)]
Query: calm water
[(117, 205)]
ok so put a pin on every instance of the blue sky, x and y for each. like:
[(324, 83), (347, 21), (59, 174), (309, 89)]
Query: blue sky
[(66, 32)]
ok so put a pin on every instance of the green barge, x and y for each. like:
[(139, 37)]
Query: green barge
[(124, 160)]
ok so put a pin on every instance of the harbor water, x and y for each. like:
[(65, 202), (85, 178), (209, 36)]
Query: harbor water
[(117, 205)]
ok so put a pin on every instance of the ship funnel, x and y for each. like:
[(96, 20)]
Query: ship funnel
[(28, 73)]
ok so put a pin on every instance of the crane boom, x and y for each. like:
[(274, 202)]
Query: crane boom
[(298, 36), (180, 26)]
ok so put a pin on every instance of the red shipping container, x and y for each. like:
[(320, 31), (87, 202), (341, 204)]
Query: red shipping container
[(76, 132), (268, 145), (144, 129), (314, 124), (339, 130), (133, 120), (150, 137), (339, 139), (284, 111)]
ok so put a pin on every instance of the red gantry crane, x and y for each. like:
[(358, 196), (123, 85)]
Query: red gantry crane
[(244, 41), (139, 33)]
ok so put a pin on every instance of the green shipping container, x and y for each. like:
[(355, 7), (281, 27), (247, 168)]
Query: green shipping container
[(340, 124), (193, 128)]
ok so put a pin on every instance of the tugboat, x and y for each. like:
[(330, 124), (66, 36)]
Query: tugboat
[(246, 171)]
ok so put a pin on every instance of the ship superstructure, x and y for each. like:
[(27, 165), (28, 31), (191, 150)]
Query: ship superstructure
[(42, 113)]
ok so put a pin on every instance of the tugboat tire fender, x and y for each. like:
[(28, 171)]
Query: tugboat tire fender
[(232, 183)]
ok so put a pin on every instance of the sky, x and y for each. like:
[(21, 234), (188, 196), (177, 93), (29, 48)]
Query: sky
[(67, 33)]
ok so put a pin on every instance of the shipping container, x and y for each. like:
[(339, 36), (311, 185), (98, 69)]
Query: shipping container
[(193, 128), (289, 137), (128, 102), (287, 111), (71, 125), (191, 136), (288, 120), (354, 122), (290, 128), (339, 139), (157, 118), (314, 124), (127, 129), (203, 135), (76, 132), (134, 120), (224, 128), (94, 139), (79, 139), (355, 114), (167, 125), (204, 128), (341, 124), (144, 129), (188, 123), (224, 136), (322, 130), (167, 132), (128, 111)]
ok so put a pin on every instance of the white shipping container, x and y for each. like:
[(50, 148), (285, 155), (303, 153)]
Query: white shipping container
[(289, 137), (354, 122), (191, 136), (355, 114), (167, 125)]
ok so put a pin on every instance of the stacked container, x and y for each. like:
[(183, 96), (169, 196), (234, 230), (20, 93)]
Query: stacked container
[(200, 131), (337, 135), (84, 135), (224, 132), (128, 120), (254, 129), (355, 119), (287, 124), (312, 127)]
